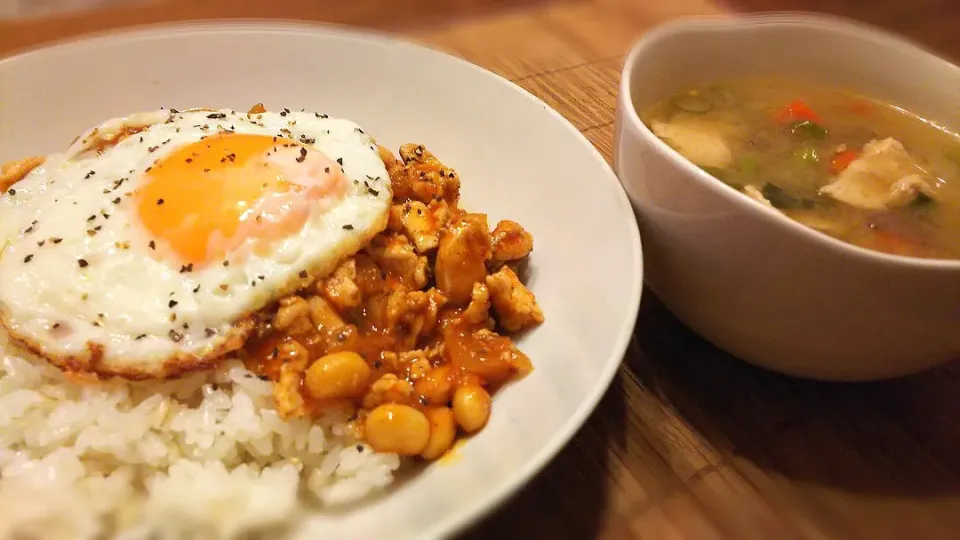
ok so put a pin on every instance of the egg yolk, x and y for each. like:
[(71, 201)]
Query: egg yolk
[(204, 200)]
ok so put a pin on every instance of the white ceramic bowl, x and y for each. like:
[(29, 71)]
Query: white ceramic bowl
[(748, 279), (517, 158)]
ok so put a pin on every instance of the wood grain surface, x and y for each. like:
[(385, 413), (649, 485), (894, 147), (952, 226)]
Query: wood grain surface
[(688, 443)]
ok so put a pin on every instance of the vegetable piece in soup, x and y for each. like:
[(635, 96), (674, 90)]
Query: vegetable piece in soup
[(860, 170)]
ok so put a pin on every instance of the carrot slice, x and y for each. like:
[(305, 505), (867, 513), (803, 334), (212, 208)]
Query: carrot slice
[(842, 160), (796, 111), (861, 106), (895, 244)]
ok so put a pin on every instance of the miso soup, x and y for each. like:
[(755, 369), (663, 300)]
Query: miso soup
[(860, 170)]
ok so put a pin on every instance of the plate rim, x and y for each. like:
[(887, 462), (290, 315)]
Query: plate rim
[(496, 497)]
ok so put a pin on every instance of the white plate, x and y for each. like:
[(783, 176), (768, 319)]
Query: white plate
[(518, 159)]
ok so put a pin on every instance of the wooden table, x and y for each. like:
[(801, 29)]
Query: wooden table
[(688, 443)]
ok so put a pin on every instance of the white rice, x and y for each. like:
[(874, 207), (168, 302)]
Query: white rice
[(205, 456)]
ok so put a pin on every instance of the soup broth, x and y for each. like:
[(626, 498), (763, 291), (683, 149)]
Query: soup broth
[(860, 170)]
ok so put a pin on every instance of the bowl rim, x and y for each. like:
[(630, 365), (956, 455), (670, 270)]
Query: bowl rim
[(464, 517), (717, 24)]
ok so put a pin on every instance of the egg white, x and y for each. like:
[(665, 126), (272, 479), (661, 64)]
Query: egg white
[(80, 284)]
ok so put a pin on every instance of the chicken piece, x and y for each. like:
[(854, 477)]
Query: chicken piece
[(417, 222), (754, 193), (415, 363), (388, 389), (370, 278), (293, 315), (396, 255), (286, 390), (14, 171), (423, 177), (515, 305), (387, 157), (884, 176), (341, 288), (323, 316), (478, 311), (510, 241), (461, 257), (410, 314), (698, 139)]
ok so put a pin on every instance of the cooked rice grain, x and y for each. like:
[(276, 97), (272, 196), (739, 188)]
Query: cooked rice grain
[(205, 456)]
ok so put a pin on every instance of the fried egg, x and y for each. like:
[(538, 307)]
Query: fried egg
[(144, 250)]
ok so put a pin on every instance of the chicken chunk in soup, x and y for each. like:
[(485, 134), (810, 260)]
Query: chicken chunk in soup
[(860, 170)]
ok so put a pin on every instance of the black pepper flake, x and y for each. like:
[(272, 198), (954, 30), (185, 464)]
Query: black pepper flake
[(98, 227), (303, 155), (152, 245), (174, 111), (283, 113), (209, 331), (185, 326), (28, 230), (360, 448), (91, 232), (224, 286), (196, 289), (104, 214), (186, 268), (359, 130), (56, 325), (82, 263), (175, 336), (159, 202), (215, 116), (206, 170), (28, 258), (253, 283), (261, 277), (189, 160), (95, 323), (56, 240), (348, 227), (340, 160), (377, 364), (41, 243), (173, 317), (172, 303), (152, 148), (116, 201), (12, 191), (305, 140), (231, 156), (89, 175), (303, 274), (148, 169), (373, 191), (326, 169), (141, 336), (141, 139), (91, 218), (226, 263)]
